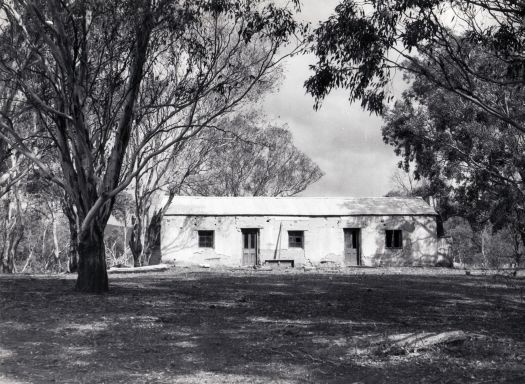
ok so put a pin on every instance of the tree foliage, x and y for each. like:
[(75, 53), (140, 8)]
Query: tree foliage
[(92, 72), (361, 45), (470, 157), (461, 123), (253, 160)]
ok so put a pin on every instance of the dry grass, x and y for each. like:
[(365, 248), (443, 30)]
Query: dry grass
[(261, 327)]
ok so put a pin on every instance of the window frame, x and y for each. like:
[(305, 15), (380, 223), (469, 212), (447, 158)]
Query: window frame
[(296, 234), (393, 239), (203, 236)]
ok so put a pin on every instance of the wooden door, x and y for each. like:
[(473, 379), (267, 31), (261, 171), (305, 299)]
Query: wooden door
[(250, 240), (352, 246)]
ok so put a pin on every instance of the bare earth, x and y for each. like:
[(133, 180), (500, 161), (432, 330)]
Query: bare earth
[(263, 327)]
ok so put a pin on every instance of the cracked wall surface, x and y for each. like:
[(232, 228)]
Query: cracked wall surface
[(323, 239)]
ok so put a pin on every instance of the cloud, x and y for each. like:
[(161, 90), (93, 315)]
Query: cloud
[(341, 138)]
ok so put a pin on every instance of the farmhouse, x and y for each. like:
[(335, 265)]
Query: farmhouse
[(300, 231)]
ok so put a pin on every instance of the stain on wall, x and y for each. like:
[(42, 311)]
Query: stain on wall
[(323, 239)]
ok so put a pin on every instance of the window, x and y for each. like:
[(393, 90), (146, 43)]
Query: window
[(295, 239), (205, 239), (394, 238)]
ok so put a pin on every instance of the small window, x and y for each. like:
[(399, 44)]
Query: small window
[(394, 238), (205, 239), (295, 239)]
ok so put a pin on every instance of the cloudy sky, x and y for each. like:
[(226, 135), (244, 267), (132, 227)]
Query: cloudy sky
[(342, 139)]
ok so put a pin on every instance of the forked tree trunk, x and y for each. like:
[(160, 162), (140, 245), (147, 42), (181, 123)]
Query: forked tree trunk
[(12, 240), (92, 275), (152, 247), (153, 243)]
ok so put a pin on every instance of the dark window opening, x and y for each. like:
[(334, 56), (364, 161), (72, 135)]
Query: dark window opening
[(295, 239), (394, 238), (440, 227), (351, 238), (206, 239)]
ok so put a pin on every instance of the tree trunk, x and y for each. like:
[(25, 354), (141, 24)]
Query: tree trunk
[(152, 243), (135, 244), (13, 231), (73, 248), (43, 248), (7, 264), (28, 260), (517, 254), (12, 239), (125, 237), (92, 274), (69, 211), (56, 250)]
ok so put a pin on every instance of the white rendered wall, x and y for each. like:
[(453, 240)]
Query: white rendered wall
[(324, 239)]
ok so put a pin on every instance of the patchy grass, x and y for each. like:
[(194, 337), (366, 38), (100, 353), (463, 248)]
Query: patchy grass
[(261, 327)]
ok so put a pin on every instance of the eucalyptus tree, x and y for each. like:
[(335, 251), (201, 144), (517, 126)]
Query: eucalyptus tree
[(468, 155), (243, 70), (363, 45), (83, 67), (462, 120), (255, 159)]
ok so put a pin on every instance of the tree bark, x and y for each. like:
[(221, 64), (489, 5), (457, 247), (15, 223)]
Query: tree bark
[(135, 243), (152, 243), (13, 231), (92, 271), (517, 254), (56, 249), (69, 211), (73, 248)]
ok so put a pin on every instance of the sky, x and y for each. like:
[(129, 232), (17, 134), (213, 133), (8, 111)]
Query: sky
[(341, 138)]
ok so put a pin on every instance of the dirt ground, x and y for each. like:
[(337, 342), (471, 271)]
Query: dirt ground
[(262, 327)]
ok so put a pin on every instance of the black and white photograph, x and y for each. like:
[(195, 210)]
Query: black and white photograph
[(262, 191)]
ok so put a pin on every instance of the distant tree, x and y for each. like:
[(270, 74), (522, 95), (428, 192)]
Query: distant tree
[(263, 162), (406, 184), (253, 160), (13, 172), (466, 244), (485, 247), (11, 224), (82, 67)]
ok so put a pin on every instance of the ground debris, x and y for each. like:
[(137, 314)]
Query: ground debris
[(411, 342), (148, 268), (202, 326)]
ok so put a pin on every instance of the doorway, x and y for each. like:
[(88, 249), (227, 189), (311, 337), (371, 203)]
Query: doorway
[(352, 246), (250, 246)]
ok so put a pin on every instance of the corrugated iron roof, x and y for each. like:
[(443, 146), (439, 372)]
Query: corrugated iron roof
[(298, 206)]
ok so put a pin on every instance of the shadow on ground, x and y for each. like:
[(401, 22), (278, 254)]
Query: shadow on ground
[(260, 328)]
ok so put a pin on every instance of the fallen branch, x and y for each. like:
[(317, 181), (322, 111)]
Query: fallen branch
[(149, 268), (423, 340)]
